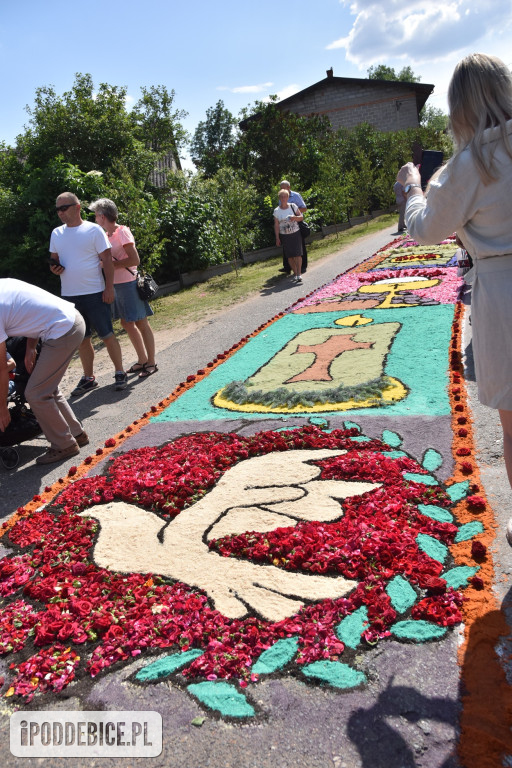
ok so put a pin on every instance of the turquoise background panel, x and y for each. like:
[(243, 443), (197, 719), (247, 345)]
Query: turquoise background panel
[(418, 358)]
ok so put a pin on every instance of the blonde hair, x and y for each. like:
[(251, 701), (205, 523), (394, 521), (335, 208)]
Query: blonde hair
[(480, 97)]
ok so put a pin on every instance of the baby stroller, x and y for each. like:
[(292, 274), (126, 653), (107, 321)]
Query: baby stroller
[(23, 425)]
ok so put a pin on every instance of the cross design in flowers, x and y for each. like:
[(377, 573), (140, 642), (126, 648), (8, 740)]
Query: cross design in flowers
[(259, 494)]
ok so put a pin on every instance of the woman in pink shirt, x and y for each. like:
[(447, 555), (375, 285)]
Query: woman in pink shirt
[(128, 306)]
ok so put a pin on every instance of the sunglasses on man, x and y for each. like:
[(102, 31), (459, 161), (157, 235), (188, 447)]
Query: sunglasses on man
[(65, 207)]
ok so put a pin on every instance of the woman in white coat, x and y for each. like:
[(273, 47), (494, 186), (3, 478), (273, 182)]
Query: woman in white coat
[(471, 195)]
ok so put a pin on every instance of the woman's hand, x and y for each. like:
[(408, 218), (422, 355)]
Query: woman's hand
[(408, 174)]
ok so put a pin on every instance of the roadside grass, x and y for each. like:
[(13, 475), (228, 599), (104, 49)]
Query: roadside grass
[(193, 303)]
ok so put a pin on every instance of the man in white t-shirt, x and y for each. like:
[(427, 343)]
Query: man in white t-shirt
[(26, 310), (80, 254)]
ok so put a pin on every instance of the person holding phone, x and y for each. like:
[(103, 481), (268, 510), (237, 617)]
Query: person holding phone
[(80, 255), (470, 195)]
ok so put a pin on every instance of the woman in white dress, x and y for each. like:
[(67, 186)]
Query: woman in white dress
[(471, 195), (286, 228)]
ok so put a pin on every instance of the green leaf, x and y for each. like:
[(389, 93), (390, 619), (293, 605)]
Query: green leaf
[(401, 594), (416, 477), (166, 666), (436, 513), (350, 629), (392, 438), (469, 530), (458, 491), (335, 673), (432, 460), (418, 631), (198, 721), (222, 697), (458, 577), (432, 547), (276, 657)]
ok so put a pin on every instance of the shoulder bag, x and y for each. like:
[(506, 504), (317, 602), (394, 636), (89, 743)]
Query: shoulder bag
[(147, 286), (303, 227)]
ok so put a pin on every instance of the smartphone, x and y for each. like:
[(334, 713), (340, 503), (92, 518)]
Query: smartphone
[(54, 263), (431, 160)]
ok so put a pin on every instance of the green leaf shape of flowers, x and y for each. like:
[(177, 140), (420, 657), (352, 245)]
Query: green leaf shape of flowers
[(436, 513), (417, 477), (432, 547), (419, 631), (166, 666), (469, 530), (458, 577), (350, 629), (276, 657), (432, 460), (222, 697), (391, 438), (335, 673), (458, 491), (401, 594)]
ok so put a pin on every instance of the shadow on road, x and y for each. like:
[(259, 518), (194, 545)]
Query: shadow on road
[(486, 695), (280, 283), (379, 744)]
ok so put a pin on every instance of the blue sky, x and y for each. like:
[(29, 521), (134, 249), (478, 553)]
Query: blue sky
[(235, 51)]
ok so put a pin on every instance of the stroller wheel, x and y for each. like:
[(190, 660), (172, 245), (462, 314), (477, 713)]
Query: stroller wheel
[(10, 458)]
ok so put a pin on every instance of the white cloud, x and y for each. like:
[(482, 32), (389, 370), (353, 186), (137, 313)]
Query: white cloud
[(261, 87), (419, 32), (288, 90)]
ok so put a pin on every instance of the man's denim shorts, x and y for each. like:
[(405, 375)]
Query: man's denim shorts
[(96, 313)]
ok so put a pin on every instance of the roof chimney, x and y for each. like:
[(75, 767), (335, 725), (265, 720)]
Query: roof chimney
[(329, 72)]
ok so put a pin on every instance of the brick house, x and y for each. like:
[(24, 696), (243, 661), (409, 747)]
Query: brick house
[(388, 105)]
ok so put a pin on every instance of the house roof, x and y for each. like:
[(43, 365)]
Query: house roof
[(421, 90)]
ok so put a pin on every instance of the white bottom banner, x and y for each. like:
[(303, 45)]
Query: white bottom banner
[(59, 733)]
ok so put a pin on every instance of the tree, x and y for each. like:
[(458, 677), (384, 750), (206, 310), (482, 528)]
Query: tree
[(212, 138), (434, 118), (383, 72), (275, 143), (88, 128), (84, 141), (27, 217), (158, 125), (237, 209)]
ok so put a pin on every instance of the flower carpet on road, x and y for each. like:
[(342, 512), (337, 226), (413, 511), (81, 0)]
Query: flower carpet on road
[(309, 495)]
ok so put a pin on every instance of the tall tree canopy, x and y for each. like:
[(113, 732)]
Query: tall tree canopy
[(383, 72), (158, 125), (87, 127), (274, 143), (212, 138)]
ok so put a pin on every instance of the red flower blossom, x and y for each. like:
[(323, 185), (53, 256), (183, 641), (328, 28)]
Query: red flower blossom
[(478, 550), (476, 503)]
